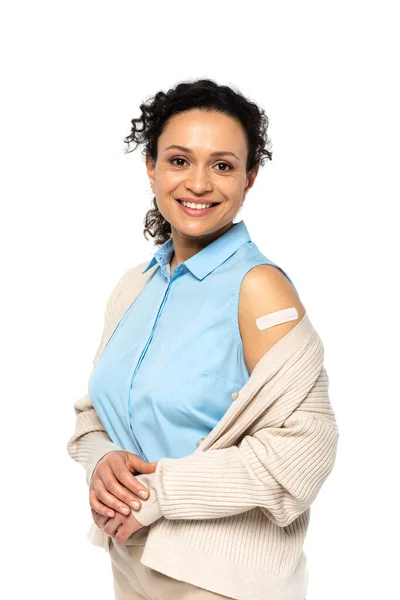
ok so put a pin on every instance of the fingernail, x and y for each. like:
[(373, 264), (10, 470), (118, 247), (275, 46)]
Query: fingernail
[(143, 494), (134, 504), (126, 511), (110, 514)]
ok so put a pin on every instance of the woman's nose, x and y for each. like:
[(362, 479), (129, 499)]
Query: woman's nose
[(199, 181)]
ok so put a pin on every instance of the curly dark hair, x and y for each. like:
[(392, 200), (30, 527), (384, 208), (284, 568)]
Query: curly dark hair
[(203, 94)]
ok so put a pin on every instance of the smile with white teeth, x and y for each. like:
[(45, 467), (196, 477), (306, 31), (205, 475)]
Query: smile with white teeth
[(194, 204)]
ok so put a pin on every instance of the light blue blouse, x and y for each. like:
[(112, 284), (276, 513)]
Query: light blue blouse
[(168, 373)]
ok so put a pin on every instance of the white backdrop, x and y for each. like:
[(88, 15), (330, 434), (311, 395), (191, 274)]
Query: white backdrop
[(72, 210)]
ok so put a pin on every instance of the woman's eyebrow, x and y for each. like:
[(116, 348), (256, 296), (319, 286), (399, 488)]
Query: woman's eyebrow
[(219, 153)]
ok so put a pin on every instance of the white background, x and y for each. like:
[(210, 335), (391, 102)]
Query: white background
[(72, 208)]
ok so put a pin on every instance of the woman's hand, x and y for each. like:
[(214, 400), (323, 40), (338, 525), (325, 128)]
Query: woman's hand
[(119, 527), (113, 486)]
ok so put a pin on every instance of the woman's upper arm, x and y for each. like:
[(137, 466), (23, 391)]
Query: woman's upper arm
[(264, 290)]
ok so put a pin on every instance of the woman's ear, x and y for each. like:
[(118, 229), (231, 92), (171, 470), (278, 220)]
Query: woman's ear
[(251, 178), (150, 166)]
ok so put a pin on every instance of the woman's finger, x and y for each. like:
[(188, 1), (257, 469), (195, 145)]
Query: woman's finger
[(112, 525), (126, 529), (98, 506), (110, 498), (99, 519), (122, 465), (112, 482)]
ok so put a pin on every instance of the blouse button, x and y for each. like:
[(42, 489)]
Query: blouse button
[(199, 441), (235, 395)]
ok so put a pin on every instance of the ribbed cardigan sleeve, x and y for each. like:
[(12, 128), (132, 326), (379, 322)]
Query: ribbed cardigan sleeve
[(90, 442)]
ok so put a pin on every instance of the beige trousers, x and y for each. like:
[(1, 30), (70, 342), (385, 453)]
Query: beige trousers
[(134, 581)]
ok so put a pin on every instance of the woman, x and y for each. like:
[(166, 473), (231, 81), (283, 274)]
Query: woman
[(208, 391)]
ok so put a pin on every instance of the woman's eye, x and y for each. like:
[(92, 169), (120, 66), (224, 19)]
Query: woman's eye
[(225, 165), (172, 160), (184, 160)]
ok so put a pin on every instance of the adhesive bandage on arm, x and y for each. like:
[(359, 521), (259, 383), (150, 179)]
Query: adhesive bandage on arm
[(278, 317)]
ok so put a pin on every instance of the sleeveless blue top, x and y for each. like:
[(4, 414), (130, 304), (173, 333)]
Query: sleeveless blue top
[(168, 373)]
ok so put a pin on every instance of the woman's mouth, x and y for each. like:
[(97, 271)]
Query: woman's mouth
[(195, 209)]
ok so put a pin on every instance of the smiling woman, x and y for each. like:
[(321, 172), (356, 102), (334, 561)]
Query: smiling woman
[(203, 143), (227, 425), (198, 183)]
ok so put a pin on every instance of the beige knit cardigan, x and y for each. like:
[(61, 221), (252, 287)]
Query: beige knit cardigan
[(232, 516)]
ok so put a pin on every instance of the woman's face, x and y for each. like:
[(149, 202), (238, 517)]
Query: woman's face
[(209, 166)]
